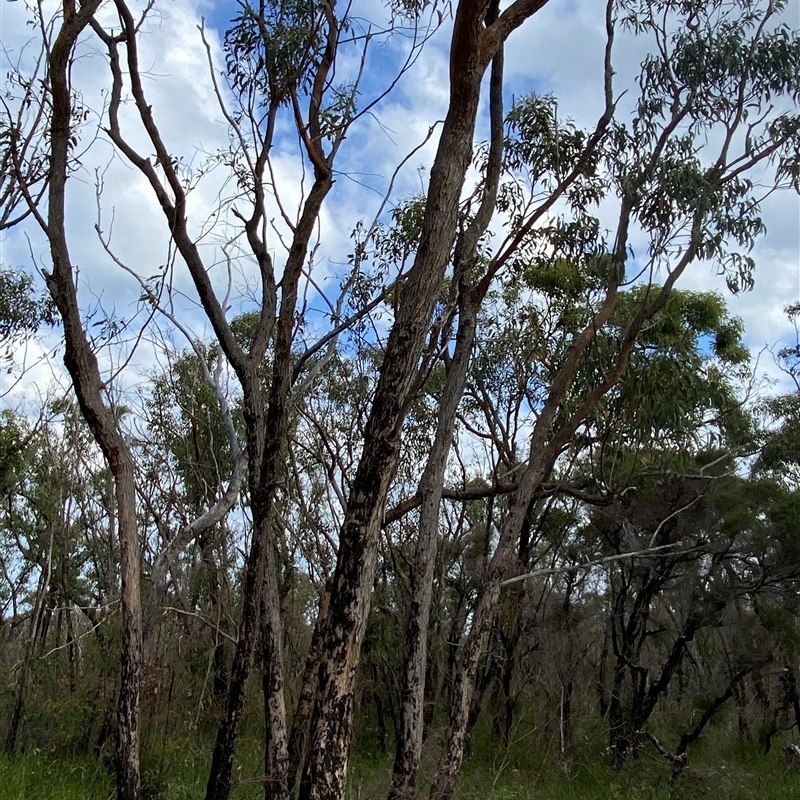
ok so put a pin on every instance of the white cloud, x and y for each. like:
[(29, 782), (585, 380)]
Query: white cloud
[(559, 50)]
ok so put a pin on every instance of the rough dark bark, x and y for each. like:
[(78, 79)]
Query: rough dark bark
[(276, 758), (325, 773), (216, 583), (412, 718), (265, 422), (308, 692)]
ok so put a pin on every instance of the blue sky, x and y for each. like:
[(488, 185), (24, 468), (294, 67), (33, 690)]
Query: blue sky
[(559, 51)]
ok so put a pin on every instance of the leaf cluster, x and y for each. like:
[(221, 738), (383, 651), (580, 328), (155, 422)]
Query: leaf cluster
[(272, 49)]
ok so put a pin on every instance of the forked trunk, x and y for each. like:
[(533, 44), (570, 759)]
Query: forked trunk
[(326, 772), (410, 734), (412, 716)]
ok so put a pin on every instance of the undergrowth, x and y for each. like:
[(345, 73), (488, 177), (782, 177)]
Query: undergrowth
[(177, 771)]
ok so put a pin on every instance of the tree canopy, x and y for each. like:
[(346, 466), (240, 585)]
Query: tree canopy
[(471, 450)]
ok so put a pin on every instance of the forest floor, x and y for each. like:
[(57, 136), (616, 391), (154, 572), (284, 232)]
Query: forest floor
[(178, 773)]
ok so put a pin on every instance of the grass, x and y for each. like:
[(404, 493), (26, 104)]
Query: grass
[(39, 775), (178, 772)]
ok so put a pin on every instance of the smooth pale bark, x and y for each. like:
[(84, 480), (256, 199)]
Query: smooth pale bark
[(464, 684), (195, 530), (545, 446)]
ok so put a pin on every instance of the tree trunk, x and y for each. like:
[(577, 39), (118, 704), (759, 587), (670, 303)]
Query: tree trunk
[(412, 716), (713, 707), (265, 444), (218, 787), (89, 388), (452, 756), (544, 449), (325, 775), (565, 715), (794, 695), (30, 646), (276, 756), (409, 739), (215, 595), (308, 693)]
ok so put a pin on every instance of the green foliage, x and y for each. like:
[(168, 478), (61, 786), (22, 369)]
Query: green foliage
[(780, 451), (721, 773), (269, 51), (184, 413), (395, 241), (545, 149), (14, 441), (681, 370), (682, 375), (22, 310), (719, 67), (244, 328)]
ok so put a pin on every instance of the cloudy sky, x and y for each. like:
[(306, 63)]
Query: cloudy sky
[(560, 51)]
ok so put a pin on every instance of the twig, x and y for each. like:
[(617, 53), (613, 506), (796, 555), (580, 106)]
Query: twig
[(202, 619)]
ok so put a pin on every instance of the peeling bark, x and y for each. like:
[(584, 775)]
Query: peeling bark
[(412, 717), (325, 774)]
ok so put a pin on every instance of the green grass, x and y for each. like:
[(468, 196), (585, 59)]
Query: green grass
[(38, 775), (178, 773)]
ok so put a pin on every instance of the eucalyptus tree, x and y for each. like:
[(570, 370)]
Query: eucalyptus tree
[(713, 71), (712, 67), (22, 312), (779, 456), (678, 395), (187, 449), (55, 533)]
